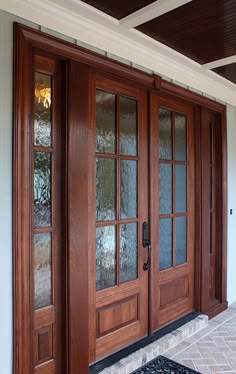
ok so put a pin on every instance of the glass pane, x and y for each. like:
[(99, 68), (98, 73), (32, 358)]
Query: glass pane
[(105, 122), (42, 189), (43, 117), (165, 134), (105, 257), (128, 126), (165, 244), (128, 252), (180, 137), (181, 240), (165, 194), (42, 270), (106, 189), (128, 189), (181, 188)]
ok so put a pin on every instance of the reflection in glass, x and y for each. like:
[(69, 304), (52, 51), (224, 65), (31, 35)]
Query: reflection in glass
[(42, 270), (165, 195), (105, 122), (105, 189), (180, 137), (181, 240), (165, 134), (42, 189), (128, 189), (181, 188), (105, 257), (128, 126), (128, 252), (43, 117), (165, 261)]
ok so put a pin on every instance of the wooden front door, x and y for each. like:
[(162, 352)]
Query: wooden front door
[(172, 211), (119, 164)]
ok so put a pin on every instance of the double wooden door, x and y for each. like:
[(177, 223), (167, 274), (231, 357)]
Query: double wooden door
[(142, 225), (114, 205)]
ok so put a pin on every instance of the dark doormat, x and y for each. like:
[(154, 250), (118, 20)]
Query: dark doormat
[(164, 365)]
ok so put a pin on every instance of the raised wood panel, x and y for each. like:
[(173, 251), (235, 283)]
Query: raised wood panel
[(43, 345), (44, 317), (171, 292), (174, 311), (47, 368), (117, 315), (119, 338)]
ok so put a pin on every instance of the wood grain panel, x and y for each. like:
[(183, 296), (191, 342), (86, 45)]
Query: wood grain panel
[(118, 9), (227, 71), (117, 315), (173, 291), (43, 345), (211, 29), (47, 368)]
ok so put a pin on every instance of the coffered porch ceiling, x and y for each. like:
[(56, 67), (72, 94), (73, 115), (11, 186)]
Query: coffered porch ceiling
[(191, 41)]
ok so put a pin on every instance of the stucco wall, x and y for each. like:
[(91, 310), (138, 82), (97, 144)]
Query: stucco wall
[(6, 304)]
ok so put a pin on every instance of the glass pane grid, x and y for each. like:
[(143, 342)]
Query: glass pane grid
[(173, 183), (43, 162), (122, 250)]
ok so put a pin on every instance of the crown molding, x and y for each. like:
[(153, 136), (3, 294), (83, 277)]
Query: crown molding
[(80, 21)]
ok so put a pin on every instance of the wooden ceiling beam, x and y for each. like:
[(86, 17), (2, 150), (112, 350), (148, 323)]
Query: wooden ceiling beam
[(150, 12), (218, 63)]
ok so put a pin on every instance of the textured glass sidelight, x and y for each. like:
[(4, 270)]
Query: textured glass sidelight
[(42, 110), (128, 189), (180, 137), (128, 252), (105, 189), (42, 270), (181, 240), (165, 261), (105, 257), (165, 193), (181, 188), (128, 126), (165, 134), (42, 189), (105, 122)]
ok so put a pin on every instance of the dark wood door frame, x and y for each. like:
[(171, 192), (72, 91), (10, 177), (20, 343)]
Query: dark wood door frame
[(26, 43)]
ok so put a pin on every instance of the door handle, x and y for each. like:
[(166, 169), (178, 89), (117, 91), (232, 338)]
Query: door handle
[(146, 265), (146, 243)]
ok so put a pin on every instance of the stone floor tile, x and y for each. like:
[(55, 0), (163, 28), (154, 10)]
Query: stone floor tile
[(219, 368), (188, 363), (204, 361), (205, 352), (203, 369)]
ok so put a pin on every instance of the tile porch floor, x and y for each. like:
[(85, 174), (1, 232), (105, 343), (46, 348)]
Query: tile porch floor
[(212, 349)]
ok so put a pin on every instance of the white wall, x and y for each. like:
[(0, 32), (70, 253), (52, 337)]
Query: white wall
[(231, 139), (6, 306)]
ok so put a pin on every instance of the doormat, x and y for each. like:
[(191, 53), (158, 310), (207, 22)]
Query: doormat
[(163, 365)]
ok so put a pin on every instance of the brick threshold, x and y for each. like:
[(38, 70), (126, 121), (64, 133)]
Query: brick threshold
[(137, 354)]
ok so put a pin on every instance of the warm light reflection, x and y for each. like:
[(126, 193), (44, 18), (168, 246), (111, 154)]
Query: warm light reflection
[(43, 95)]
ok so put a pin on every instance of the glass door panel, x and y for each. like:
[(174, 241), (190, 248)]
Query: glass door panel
[(120, 146), (171, 210)]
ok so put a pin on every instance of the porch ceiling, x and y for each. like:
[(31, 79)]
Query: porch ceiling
[(204, 31)]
